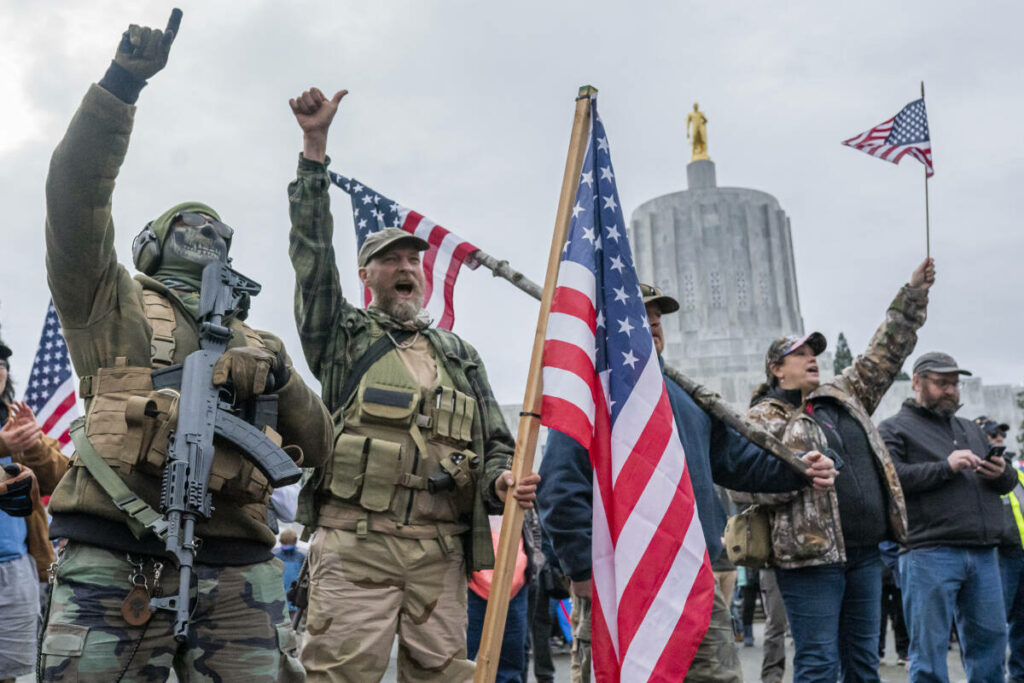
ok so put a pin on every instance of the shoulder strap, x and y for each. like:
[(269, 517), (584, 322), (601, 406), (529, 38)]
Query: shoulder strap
[(369, 357), (161, 317), (141, 517)]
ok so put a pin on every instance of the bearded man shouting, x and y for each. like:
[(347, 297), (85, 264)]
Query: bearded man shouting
[(421, 453)]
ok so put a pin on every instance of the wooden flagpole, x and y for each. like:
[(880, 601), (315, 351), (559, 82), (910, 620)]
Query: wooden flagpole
[(529, 418), (927, 219)]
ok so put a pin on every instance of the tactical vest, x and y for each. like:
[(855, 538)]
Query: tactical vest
[(129, 423), (401, 463)]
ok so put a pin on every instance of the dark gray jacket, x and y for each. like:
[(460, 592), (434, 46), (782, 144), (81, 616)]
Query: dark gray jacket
[(944, 507)]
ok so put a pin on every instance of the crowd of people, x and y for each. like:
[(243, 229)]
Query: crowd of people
[(916, 520)]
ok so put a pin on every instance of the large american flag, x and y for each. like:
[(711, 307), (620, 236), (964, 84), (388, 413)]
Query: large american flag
[(603, 386), (372, 212), (50, 390), (906, 133)]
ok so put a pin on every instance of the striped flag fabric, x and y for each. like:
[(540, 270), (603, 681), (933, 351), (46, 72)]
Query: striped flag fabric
[(372, 212), (652, 583), (50, 390), (906, 133)]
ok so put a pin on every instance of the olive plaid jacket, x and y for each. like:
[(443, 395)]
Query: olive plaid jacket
[(335, 334)]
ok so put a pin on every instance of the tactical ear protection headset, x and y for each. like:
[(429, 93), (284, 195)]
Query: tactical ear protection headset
[(146, 250)]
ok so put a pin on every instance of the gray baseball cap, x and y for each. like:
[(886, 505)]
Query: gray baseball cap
[(377, 243), (936, 361)]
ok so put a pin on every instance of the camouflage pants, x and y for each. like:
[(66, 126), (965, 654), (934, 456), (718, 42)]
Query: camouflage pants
[(580, 671), (239, 629), (717, 659), (364, 591)]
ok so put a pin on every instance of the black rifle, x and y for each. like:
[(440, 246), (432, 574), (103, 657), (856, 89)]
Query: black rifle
[(185, 495)]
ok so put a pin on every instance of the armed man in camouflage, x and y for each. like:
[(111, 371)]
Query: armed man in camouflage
[(421, 452), (119, 330)]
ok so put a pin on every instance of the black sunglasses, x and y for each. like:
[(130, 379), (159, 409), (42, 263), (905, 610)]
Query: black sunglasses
[(198, 220)]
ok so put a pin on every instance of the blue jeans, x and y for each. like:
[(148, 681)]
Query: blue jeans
[(834, 611), (512, 660), (1011, 568), (940, 583)]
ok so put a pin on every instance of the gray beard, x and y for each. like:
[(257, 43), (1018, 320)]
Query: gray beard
[(404, 312)]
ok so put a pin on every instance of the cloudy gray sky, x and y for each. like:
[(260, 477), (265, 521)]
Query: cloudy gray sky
[(462, 111)]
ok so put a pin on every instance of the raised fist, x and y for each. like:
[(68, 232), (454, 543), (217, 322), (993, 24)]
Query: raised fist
[(143, 50)]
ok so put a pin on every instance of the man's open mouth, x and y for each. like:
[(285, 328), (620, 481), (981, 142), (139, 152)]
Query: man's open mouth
[(404, 288)]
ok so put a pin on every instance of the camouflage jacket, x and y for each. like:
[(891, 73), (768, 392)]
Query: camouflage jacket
[(335, 334), (101, 310), (806, 529)]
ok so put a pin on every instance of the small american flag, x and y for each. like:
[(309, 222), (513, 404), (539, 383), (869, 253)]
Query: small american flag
[(50, 391), (905, 133), (372, 212), (653, 587)]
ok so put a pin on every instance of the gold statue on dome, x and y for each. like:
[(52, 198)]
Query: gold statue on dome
[(699, 139)]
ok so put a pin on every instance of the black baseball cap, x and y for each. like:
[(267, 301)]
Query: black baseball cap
[(991, 427), (936, 361)]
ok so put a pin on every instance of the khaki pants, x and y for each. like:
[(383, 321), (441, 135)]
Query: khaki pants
[(580, 671), (365, 591), (717, 658), (773, 665)]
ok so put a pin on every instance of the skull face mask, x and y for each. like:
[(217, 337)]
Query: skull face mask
[(192, 236), (196, 239)]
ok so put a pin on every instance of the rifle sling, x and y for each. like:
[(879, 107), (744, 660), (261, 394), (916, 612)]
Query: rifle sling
[(142, 519)]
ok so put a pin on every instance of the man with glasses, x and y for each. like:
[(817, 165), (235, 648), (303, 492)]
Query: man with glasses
[(952, 486)]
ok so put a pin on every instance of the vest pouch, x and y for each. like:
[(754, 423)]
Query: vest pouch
[(106, 423), (383, 462), (156, 416), (348, 465), (392, 406), (451, 416)]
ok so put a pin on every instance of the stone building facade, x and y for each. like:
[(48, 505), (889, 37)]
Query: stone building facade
[(726, 253)]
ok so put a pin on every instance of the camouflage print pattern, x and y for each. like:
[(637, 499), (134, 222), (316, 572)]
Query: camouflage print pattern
[(580, 671), (717, 659), (365, 591), (239, 631), (806, 529)]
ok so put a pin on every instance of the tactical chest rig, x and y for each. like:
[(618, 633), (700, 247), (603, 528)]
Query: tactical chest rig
[(128, 423), (401, 462)]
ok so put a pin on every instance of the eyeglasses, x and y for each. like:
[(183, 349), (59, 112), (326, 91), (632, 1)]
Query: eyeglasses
[(198, 220), (4, 364), (944, 384)]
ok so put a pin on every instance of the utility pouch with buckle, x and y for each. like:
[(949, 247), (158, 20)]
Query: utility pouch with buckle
[(349, 465), (383, 463)]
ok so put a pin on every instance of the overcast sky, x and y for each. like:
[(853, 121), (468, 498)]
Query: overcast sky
[(462, 111)]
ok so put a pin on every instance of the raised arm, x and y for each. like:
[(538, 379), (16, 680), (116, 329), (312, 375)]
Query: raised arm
[(873, 372), (318, 296), (81, 264)]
